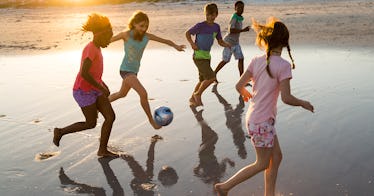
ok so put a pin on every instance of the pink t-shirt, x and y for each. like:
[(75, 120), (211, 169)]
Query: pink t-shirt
[(265, 91), (96, 70)]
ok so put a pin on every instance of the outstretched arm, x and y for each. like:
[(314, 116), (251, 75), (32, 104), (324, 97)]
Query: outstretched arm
[(119, 36), (223, 43), (240, 86), (232, 30), (166, 41), (289, 99)]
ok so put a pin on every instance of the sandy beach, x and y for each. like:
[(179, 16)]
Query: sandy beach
[(325, 153), (330, 23)]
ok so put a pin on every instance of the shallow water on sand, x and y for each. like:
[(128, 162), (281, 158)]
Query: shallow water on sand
[(325, 153)]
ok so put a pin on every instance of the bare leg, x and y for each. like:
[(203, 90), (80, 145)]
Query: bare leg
[(272, 171), (89, 112), (192, 99), (121, 93), (134, 83), (263, 158), (241, 66), (106, 110), (197, 94), (219, 67)]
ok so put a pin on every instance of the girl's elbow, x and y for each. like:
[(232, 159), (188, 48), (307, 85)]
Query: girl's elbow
[(286, 100), (238, 87), (84, 75)]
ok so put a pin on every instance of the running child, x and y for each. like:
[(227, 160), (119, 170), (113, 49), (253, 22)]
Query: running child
[(90, 91), (135, 40), (270, 74), (204, 32), (232, 37)]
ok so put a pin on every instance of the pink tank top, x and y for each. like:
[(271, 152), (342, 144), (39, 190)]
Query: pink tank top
[(96, 70)]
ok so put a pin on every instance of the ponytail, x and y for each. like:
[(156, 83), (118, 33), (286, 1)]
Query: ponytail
[(268, 51), (289, 54)]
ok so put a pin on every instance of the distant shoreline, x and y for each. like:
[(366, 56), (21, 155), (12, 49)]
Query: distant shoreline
[(347, 24)]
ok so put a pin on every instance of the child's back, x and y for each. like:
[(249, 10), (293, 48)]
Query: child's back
[(266, 89)]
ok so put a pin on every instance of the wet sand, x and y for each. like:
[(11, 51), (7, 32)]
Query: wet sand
[(326, 153), (330, 149)]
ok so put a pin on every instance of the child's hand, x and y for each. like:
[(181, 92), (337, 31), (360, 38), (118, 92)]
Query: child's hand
[(105, 90), (180, 47), (194, 46), (247, 28), (308, 106), (246, 95)]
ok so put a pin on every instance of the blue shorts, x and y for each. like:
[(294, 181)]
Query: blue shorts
[(235, 50), (86, 98)]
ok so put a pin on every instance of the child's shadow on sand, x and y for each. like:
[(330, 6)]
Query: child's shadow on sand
[(209, 170), (142, 184), (77, 187), (234, 122)]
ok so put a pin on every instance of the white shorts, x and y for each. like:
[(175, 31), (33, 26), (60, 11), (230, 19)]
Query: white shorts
[(235, 50)]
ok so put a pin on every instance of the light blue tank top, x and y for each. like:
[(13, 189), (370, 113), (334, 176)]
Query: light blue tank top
[(133, 53)]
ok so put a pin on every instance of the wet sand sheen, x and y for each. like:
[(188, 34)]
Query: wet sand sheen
[(202, 146)]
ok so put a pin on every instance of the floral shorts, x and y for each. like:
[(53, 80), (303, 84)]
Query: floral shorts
[(262, 134)]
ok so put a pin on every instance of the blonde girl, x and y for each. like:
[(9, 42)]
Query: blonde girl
[(135, 40), (270, 74)]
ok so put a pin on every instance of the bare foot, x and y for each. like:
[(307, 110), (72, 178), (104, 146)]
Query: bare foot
[(57, 136), (197, 99), (106, 153), (155, 125), (220, 190)]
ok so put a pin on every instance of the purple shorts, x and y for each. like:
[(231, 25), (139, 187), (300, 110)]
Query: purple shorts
[(262, 134), (84, 98)]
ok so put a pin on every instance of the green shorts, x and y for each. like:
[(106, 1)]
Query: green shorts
[(205, 71)]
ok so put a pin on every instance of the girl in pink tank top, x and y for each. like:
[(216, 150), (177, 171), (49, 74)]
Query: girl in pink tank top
[(270, 75)]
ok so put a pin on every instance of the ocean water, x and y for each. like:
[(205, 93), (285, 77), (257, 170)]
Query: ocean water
[(325, 153)]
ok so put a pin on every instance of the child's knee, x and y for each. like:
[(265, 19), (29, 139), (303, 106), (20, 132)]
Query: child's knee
[(212, 78), (262, 165), (277, 158), (122, 94), (143, 95), (110, 118), (91, 124)]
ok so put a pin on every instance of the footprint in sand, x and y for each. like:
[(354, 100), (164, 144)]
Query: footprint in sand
[(36, 121), (46, 155)]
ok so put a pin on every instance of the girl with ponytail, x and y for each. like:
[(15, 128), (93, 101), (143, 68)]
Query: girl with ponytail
[(271, 75)]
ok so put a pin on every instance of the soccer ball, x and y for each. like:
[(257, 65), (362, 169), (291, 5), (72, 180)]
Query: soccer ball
[(163, 116)]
